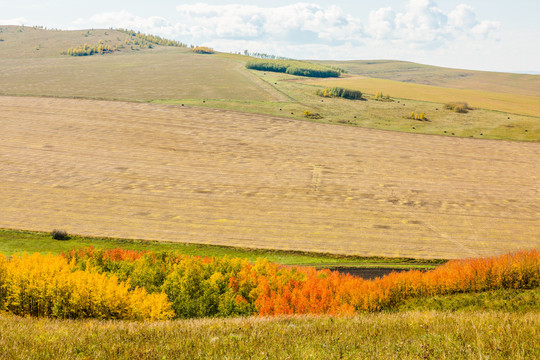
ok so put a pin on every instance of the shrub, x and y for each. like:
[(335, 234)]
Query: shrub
[(415, 116), (47, 285), (59, 234), (87, 50), (198, 287), (203, 50), (340, 92), (310, 115), (459, 107), (379, 96)]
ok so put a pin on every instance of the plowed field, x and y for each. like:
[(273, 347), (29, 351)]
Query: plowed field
[(223, 177)]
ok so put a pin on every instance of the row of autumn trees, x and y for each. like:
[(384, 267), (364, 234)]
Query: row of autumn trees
[(294, 67), (126, 284)]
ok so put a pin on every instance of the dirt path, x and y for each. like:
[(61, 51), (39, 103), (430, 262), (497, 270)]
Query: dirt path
[(210, 176)]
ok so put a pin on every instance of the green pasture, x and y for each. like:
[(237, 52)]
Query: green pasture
[(18, 241)]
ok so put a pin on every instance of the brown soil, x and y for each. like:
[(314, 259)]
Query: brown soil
[(223, 177)]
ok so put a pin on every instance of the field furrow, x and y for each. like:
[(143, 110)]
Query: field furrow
[(223, 177)]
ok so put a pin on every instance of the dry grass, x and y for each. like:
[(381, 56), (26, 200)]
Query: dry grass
[(505, 102), (217, 177), (409, 335)]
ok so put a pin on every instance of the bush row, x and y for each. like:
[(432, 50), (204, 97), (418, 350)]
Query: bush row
[(39, 285), (129, 284), (293, 67), (340, 92), (459, 107), (87, 50), (203, 50), (154, 39)]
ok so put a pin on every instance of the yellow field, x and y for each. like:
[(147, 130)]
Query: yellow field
[(223, 177), (509, 103), (511, 83)]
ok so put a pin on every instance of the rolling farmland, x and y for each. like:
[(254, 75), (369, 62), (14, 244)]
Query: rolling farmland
[(408, 72), (223, 177), (509, 103)]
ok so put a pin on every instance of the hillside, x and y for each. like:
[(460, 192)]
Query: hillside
[(403, 71), (31, 64), (479, 99)]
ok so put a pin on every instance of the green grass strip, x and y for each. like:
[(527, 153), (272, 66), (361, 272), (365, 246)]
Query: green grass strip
[(18, 241)]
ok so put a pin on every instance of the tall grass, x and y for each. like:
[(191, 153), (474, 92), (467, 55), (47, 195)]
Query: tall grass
[(409, 335)]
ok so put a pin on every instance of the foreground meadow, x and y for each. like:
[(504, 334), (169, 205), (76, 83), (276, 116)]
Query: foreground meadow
[(408, 335), (477, 308)]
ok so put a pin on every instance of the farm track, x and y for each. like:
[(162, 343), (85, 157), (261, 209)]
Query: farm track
[(228, 178)]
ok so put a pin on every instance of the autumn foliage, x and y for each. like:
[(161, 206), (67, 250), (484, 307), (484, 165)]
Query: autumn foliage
[(39, 285), (146, 285)]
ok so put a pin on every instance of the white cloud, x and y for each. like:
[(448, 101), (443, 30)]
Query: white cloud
[(463, 17), (14, 21), (381, 23), (422, 23), (300, 22), (305, 30), (485, 28), (127, 20)]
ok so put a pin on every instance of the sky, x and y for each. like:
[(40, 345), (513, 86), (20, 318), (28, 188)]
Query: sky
[(491, 35)]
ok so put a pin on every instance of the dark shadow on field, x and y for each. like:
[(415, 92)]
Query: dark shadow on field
[(368, 273)]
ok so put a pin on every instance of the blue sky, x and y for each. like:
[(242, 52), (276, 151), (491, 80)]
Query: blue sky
[(474, 34)]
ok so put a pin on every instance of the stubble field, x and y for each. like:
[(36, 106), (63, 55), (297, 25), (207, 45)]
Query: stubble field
[(224, 177)]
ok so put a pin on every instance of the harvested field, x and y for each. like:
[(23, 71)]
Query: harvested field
[(223, 177)]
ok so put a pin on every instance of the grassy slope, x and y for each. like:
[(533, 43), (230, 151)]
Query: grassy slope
[(17, 241), (482, 124), (521, 84), (408, 335), (500, 300), (137, 75)]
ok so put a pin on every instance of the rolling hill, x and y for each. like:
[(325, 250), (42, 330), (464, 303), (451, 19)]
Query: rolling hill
[(31, 64), (403, 71)]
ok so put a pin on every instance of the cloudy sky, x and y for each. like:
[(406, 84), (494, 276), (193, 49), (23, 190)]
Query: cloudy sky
[(493, 35)]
